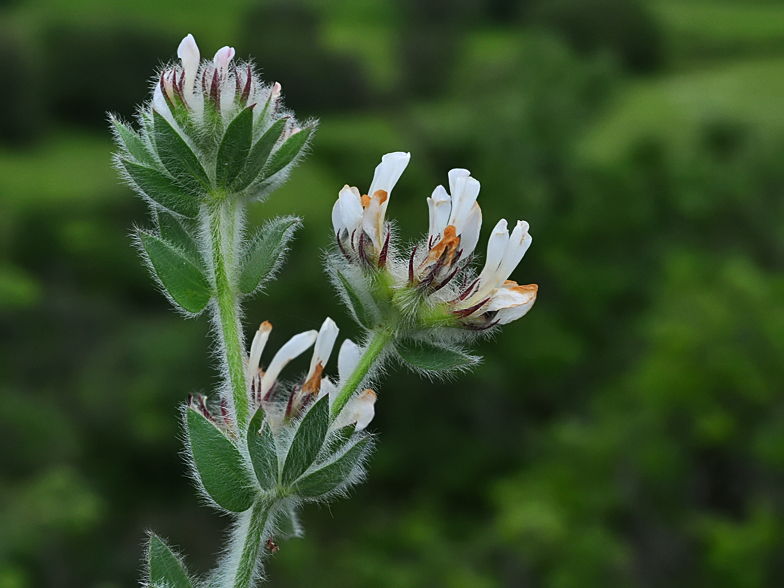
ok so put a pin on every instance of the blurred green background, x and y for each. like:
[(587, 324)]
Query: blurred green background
[(629, 432)]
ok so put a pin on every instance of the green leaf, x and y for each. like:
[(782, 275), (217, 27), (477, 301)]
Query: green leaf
[(264, 254), (133, 143), (340, 437), (331, 476), (307, 441), (258, 156), (175, 232), (432, 358), (176, 156), (165, 567), (183, 280), (363, 314), (263, 455), (162, 190), (234, 148), (220, 466), (287, 152)]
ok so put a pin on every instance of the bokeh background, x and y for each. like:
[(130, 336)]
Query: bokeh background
[(629, 432)]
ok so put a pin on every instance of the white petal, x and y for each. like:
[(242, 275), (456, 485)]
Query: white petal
[(511, 302), (324, 344), (518, 244), (188, 52), (362, 409), (295, 346), (221, 60), (350, 208), (257, 347), (454, 176), (337, 218), (440, 206), (348, 358), (496, 246), (469, 236), (388, 172), (463, 201), (373, 219)]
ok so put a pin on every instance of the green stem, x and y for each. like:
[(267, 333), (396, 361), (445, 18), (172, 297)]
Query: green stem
[(375, 348), (223, 234), (251, 544)]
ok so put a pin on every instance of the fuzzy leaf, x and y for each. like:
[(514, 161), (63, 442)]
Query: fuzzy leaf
[(220, 465), (184, 282), (234, 148), (331, 476), (177, 157), (432, 358), (287, 152), (340, 438), (261, 446), (162, 190), (133, 143), (307, 441), (363, 314), (265, 252), (175, 232), (165, 567), (258, 156)]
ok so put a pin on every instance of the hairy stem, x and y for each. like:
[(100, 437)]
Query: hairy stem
[(378, 343), (248, 537), (223, 233)]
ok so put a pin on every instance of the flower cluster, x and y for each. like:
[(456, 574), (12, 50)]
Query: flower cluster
[(434, 284)]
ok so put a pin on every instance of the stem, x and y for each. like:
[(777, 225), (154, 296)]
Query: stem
[(375, 348), (223, 235), (251, 544)]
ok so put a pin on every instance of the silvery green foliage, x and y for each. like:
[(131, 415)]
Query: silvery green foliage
[(213, 139)]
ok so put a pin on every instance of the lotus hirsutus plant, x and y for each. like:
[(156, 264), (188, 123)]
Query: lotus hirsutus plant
[(212, 140)]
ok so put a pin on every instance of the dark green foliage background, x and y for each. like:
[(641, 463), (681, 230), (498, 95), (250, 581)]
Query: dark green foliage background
[(629, 432)]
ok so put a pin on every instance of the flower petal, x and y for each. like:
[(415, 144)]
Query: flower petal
[(295, 346), (469, 236), (519, 242), (512, 301), (350, 208), (257, 347), (324, 344), (348, 358), (388, 172), (221, 60), (440, 206), (188, 52)]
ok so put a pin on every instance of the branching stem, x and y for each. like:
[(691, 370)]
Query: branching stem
[(378, 344)]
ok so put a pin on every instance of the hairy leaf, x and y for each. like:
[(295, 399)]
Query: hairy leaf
[(265, 252), (331, 476), (176, 233), (165, 567), (234, 148), (177, 157), (307, 441), (359, 309), (261, 446), (183, 280), (287, 152), (219, 464), (432, 358), (258, 156), (133, 143), (162, 190)]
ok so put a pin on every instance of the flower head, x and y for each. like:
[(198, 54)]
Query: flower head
[(283, 401), (434, 285), (359, 221)]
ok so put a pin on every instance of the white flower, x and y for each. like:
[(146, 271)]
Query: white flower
[(492, 292), (455, 221), (189, 55), (359, 411), (360, 221)]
